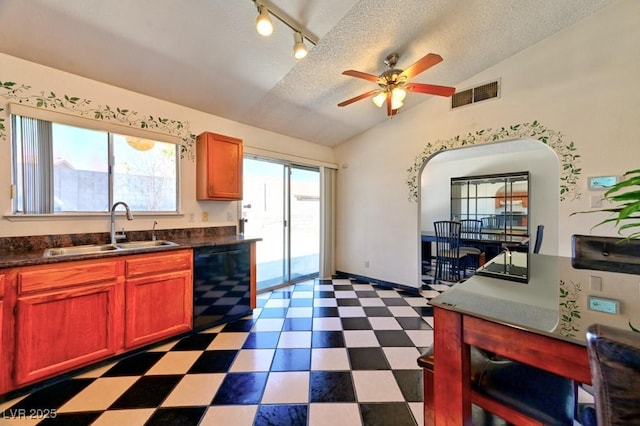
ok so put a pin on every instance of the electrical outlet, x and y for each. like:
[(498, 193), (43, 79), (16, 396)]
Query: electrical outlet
[(205, 216)]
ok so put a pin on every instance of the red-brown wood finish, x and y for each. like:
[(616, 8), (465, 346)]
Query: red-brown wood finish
[(455, 332), (159, 301), (218, 167)]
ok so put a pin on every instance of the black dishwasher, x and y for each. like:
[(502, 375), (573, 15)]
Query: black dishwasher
[(222, 284)]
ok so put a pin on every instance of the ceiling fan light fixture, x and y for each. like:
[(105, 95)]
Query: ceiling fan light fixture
[(379, 99), (396, 104), (299, 48), (398, 94), (264, 26)]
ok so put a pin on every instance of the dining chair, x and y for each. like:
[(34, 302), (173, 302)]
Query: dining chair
[(614, 360), (449, 259), (538, 242), (471, 228), (490, 222)]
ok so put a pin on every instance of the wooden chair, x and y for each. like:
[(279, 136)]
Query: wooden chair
[(471, 228), (449, 259)]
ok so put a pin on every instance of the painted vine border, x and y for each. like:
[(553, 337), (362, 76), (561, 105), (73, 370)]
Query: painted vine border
[(19, 93), (569, 309), (566, 151)]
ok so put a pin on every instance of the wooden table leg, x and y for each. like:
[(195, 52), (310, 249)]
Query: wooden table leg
[(451, 368)]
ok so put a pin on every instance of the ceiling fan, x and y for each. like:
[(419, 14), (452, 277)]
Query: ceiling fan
[(394, 83)]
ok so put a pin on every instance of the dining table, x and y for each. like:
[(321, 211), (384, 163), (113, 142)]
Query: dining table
[(531, 308)]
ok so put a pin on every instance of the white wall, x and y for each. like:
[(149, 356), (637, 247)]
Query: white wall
[(44, 80), (582, 82)]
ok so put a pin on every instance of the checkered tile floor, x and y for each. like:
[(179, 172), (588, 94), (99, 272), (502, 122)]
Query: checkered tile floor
[(321, 352)]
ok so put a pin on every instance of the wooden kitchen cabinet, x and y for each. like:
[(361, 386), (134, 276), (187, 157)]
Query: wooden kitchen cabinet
[(159, 297), (218, 167), (66, 315)]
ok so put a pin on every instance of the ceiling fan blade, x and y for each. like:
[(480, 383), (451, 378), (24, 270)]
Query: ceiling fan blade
[(357, 98), (430, 89), (425, 63), (360, 74)]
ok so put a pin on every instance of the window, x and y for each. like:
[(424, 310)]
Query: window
[(62, 168)]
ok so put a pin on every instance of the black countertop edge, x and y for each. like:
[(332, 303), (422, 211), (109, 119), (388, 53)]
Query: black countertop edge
[(13, 260)]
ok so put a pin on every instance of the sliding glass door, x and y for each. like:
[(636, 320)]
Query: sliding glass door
[(281, 205)]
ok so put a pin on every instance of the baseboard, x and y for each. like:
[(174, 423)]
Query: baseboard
[(414, 290)]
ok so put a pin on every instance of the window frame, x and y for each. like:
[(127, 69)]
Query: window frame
[(109, 128)]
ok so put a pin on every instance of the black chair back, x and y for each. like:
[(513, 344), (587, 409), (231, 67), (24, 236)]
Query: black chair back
[(614, 359), (472, 227), (448, 265), (491, 222), (539, 235)]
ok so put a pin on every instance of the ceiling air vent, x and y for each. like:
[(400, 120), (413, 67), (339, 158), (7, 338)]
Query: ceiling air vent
[(475, 94)]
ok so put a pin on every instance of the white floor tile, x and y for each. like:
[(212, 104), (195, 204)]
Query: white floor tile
[(332, 414), (403, 311), (287, 388), (351, 311), (330, 359), (295, 339), (388, 294), (236, 415), (360, 339), (136, 417), (228, 341), (417, 409), (376, 386), (302, 295), (340, 294), (327, 324), (323, 287), (402, 358), (302, 312), (277, 303), (178, 362), (416, 301), (371, 301), (268, 324), (362, 287), (194, 390), (420, 338), (325, 303), (384, 323), (253, 360)]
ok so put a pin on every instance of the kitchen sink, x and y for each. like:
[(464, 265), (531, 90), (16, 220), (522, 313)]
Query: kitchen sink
[(78, 250), (130, 245), (105, 248)]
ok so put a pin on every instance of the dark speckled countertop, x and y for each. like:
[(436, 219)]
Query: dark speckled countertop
[(28, 251)]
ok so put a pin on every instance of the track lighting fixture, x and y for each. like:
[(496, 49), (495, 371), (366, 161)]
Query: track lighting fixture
[(264, 26)]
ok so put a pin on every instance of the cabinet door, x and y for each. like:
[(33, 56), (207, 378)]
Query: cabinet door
[(158, 306), (57, 331), (218, 167)]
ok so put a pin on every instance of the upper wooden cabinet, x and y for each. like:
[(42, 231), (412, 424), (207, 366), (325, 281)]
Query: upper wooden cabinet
[(218, 167)]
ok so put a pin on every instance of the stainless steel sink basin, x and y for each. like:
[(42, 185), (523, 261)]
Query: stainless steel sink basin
[(130, 245), (77, 250), (105, 248)]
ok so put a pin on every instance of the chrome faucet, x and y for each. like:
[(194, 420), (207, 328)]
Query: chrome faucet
[(153, 231), (114, 235)]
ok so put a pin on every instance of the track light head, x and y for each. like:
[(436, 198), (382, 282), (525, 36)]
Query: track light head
[(299, 48), (264, 26)]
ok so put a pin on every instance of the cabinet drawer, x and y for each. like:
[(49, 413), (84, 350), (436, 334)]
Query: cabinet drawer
[(66, 275), (158, 263)]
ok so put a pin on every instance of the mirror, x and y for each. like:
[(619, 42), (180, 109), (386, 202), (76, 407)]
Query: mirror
[(501, 202)]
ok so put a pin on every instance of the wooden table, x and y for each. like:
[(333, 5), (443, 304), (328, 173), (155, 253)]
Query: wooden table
[(525, 322)]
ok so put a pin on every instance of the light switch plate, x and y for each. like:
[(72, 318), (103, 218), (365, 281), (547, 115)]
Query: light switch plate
[(601, 304)]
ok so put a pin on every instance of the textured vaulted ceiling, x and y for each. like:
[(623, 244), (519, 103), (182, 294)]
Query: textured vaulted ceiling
[(206, 54)]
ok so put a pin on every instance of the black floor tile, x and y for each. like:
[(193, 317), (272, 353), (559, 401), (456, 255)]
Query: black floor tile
[(424, 311), (176, 416), (393, 338), (71, 419), (325, 312), (343, 287), (348, 302), (262, 340), (240, 389), (410, 382), (385, 414), (357, 323), (50, 397), (239, 325), (281, 415), (331, 386), (365, 294), (213, 362), (367, 359), (327, 339), (395, 301), (377, 311), (291, 360), (147, 392), (413, 323), (324, 294), (135, 365), (196, 342), (297, 324)]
